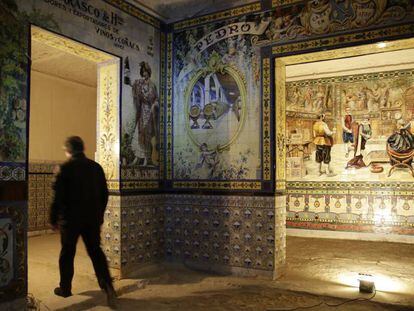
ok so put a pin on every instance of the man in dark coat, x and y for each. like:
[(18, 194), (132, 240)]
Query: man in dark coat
[(81, 195)]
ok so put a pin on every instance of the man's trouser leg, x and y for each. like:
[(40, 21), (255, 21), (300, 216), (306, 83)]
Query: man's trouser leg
[(92, 238), (68, 237)]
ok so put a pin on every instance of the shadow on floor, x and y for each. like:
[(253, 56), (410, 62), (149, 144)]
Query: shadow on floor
[(246, 297)]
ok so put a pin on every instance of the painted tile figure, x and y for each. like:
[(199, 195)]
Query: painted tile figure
[(208, 159), (324, 141), (146, 105), (347, 135), (372, 113), (363, 132), (402, 140)]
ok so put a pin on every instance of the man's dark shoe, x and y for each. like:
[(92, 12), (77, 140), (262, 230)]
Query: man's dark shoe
[(111, 297), (62, 293)]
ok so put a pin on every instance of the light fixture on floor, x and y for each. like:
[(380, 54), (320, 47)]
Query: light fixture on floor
[(381, 45), (366, 283)]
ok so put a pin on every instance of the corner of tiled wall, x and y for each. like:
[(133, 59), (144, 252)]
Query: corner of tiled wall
[(111, 232), (230, 234), (142, 231)]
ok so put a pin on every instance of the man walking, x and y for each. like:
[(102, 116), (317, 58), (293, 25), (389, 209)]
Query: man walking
[(81, 195)]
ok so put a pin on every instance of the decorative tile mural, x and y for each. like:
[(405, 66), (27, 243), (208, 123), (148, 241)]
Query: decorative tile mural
[(370, 119), (13, 89), (107, 149), (107, 28), (310, 19), (367, 185), (216, 103), (227, 231), (218, 128)]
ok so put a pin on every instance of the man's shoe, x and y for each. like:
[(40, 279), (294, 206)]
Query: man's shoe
[(111, 297), (62, 293)]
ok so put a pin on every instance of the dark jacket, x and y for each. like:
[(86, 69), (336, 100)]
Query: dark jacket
[(81, 193)]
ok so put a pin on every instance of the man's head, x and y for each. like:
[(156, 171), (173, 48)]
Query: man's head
[(321, 117), (73, 145)]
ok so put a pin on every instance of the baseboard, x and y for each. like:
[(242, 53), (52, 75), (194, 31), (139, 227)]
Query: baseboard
[(340, 235)]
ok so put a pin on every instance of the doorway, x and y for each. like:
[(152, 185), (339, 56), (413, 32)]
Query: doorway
[(340, 113), (74, 90)]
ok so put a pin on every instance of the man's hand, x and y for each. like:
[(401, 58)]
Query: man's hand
[(55, 227)]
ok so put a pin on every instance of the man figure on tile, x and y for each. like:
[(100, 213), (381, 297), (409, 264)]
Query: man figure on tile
[(362, 133), (347, 135), (323, 139)]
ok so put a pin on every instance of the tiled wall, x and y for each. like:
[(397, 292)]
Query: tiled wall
[(133, 231), (13, 260), (380, 212), (242, 234), (40, 195), (224, 233), (111, 232), (142, 235)]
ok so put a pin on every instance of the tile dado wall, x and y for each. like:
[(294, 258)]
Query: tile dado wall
[(236, 234), (383, 209), (40, 194), (13, 246), (133, 231)]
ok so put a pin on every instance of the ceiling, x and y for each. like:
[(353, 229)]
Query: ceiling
[(175, 10), (55, 62)]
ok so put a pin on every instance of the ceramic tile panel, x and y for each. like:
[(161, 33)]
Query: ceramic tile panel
[(111, 232), (142, 230), (13, 257), (40, 194), (233, 231)]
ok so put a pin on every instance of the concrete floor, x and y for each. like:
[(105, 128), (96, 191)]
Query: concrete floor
[(316, 270), (43, 268)]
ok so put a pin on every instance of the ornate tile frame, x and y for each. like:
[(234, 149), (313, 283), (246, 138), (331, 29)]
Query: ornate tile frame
[(17, 287), (266, 183), (280, 63), (109, 98)]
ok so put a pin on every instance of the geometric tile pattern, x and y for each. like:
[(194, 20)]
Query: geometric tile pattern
[(13, 256), (369, 212), (142, 230), (12, 171), (132, 233), (280, 233), (233, 231), (40, 194), (111, 232)]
